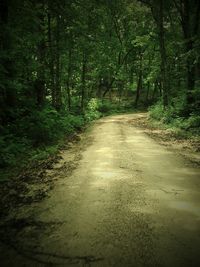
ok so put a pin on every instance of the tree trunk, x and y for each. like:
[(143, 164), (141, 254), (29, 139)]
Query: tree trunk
[(187, 32), (190, 16), (83, 82), (69, 78), (154, 90), (148, 89), (51, 62), (164, 83), (58, 97), (139, 87), (40, 81), (139, 84), (7, 92)]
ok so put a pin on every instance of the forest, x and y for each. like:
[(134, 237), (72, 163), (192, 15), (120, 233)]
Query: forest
[(99, 133), (64, 63)]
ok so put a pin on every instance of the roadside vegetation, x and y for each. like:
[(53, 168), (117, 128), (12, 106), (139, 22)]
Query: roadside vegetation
[(174, 119), (39, 135)]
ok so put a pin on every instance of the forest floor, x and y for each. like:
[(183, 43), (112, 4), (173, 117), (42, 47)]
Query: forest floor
[(117, 197)]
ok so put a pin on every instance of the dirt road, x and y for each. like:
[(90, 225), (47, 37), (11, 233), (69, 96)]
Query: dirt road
[(129, 202)]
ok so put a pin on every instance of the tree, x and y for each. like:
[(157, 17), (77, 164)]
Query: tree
[(189, 12)]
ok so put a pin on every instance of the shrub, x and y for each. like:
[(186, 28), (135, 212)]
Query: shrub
[(39, 130), (106, 107), (92, 111), (92, 115), (46, 126), (10, 148), (175, 116), (193, 122), (156, 111)]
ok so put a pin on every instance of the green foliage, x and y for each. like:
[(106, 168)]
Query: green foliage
[(36, 132), (93, 104), (174, 117), (48, 125), (105, 107), (156, 111), (97, 108), (43, 153), (92, 111), (45, 126), (11, 147), (55, 61), (175, 110)]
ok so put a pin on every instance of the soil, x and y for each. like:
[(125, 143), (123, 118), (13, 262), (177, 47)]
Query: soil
[(115, 198), (188, 147)]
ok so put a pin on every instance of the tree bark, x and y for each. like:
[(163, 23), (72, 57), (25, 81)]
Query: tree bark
[(84, 61), (189, 11), (40, 81), (148, 90), (7, 92), (51, 62), (139, 84), (69, 78), (164, 75), (154, 90), (58, 96)]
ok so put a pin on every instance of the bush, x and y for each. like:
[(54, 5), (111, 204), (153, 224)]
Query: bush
[(44, 126), (92, 112), (47, 126), (175, 110), (193, 122), (77, 122), (175, 117), (106, 107), (43, 153), (33, 134), (156, 111), (10, 148)]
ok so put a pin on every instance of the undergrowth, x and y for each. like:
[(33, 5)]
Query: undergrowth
[(40, 134), (173, 117)]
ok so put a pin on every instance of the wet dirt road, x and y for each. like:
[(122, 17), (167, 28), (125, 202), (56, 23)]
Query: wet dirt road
[(129, 202)]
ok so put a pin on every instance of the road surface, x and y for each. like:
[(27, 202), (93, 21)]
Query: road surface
[(129, 202)]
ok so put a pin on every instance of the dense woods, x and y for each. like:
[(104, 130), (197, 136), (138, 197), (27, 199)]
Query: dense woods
[(64, 63)]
